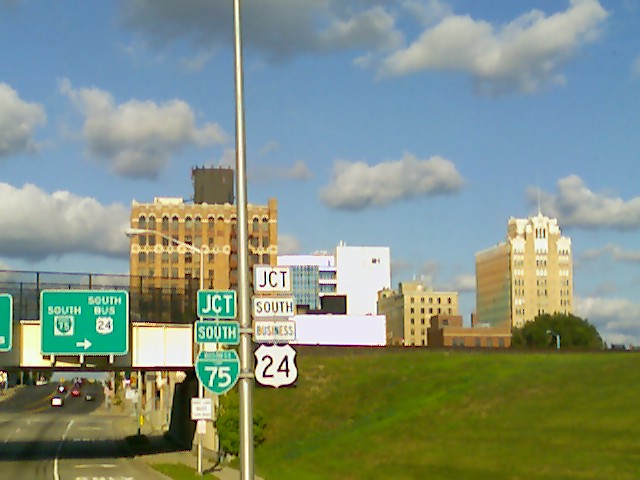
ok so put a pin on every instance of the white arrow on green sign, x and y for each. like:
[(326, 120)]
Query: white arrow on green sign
[(218, 371), (218, 331), (6, 322)]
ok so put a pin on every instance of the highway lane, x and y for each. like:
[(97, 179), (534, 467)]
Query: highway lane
[(79, 441)]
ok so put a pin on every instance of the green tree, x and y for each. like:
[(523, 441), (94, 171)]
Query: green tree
[(228, 424), (575, 333)]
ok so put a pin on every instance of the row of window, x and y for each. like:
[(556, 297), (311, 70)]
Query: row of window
[(431, 310), (197, 222), (439, 300)]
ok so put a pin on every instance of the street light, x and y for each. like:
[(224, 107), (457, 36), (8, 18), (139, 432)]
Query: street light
[(131, 232), (557, 335)]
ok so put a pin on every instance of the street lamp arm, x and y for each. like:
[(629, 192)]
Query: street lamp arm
[(132, 232)]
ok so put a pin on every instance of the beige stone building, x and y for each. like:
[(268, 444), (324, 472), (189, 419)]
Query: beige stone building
[(529, 274), (210, 228), (448, 331), (409, 309)]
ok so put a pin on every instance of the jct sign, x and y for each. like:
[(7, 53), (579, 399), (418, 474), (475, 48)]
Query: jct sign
[(271, 279)]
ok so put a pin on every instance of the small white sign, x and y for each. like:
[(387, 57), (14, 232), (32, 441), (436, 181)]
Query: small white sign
[(274, 307), (274, 331), (201, 409), (276, 365), (269, 279), (201, 427)]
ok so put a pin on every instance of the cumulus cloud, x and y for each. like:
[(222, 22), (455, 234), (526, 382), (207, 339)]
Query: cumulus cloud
[(617, 320), (288, 244), (575, 205), (522, 55), (280, 29), (615, 252), (357, 185), (137, 138), (37, 225), (464, 283), (18, 121)]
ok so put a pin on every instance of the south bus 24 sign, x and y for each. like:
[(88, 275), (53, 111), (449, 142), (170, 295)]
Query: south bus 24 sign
[(276, 365)]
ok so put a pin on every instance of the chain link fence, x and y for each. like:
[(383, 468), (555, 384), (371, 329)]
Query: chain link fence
[(147, 302)]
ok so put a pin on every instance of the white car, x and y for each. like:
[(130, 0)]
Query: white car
[(56, 401)]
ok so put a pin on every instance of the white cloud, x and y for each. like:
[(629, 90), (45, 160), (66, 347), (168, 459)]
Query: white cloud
[(464, 283), (280, 29), (288, 245), (575, 205), (37, 225), (269, 147), (522, 55), (616, 252), (18, 121), (617, 320), (137, 138), (357, 185)]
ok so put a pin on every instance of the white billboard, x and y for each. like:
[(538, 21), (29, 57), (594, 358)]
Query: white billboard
[(162, 345), (346, 330)]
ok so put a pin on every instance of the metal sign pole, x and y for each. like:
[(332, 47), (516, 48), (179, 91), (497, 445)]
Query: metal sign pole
[(246, 354)]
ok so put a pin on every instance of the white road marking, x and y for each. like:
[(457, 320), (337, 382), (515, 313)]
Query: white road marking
[(56, 475), (94, 465)]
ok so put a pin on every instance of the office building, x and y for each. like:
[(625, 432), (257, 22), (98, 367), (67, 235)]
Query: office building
[(312, 276), (409, 310), (529, 274)]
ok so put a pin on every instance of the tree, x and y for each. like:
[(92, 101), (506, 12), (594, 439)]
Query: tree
[(228, 424), (574, 332)]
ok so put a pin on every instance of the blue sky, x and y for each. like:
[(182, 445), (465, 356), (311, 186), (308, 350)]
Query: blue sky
[(421, 125)]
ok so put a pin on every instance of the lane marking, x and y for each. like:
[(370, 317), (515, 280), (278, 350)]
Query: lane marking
[(96, 465), (56, 475)]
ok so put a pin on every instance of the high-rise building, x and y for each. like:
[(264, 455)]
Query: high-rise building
[(362, 273), (409, 310), (211, 228), (312, 276), (531, 273)]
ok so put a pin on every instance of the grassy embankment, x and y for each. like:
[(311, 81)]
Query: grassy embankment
[(418, 414)]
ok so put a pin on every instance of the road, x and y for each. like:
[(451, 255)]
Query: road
[(77, 441)]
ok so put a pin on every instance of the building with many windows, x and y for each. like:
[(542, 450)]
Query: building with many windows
[(409, 310), (531, 273), (312, 276)]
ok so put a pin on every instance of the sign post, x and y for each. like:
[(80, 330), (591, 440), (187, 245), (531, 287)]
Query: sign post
[(6, 322), (84, 322)]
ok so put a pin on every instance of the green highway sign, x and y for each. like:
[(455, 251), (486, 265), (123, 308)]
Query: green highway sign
[(6, 322), (217, 331), (217, 304), (84, 322), (218, 371)]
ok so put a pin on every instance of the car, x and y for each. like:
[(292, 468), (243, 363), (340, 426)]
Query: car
[(57, 401), (75, 392), (88, 397)]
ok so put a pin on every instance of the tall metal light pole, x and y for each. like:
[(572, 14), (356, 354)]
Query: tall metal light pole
[(246, 350), (143, 231)]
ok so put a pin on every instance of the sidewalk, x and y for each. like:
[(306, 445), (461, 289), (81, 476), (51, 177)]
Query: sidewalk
[(152, 447)]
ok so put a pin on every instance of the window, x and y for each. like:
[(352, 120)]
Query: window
[(142, 222)]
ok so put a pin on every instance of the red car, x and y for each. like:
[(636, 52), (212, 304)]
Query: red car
[(75, 392)]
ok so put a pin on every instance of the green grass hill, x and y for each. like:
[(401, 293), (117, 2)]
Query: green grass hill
[(419, 414)]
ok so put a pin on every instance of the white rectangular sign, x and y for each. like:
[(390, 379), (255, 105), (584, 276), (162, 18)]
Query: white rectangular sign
[(274, 331), (274, 307), (201, 409), (269, 279)]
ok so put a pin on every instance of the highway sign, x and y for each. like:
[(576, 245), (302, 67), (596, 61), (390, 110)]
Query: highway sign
[(276, 365), (217, 304), (84, 322), (6, 322), (217, 331), (267, 279), (218, 371), (274, 307), (274, 331), (201, 409)]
